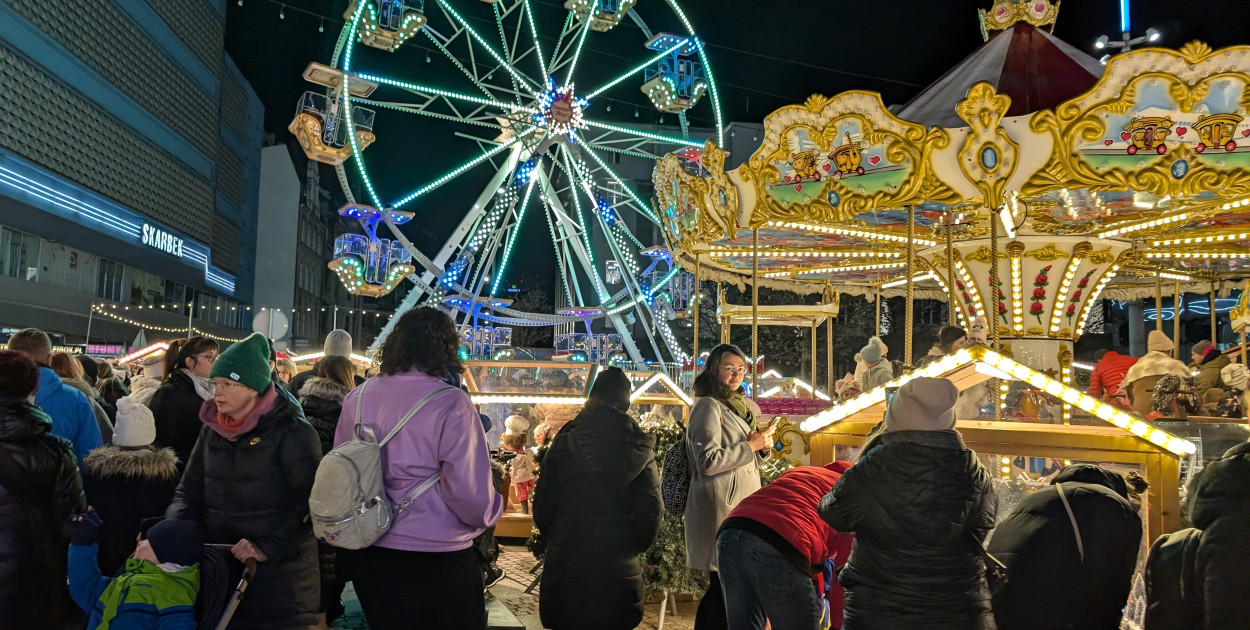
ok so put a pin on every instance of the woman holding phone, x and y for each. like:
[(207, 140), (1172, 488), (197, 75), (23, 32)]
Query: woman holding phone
[(726, 450)]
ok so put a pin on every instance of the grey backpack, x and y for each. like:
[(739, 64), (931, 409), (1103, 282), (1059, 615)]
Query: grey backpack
[(348, 504)]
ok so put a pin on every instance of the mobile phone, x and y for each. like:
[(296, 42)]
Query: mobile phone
[(771, 423)]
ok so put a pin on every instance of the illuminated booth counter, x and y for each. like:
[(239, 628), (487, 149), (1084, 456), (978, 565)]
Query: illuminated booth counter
[(1024, 452), (504, 388)]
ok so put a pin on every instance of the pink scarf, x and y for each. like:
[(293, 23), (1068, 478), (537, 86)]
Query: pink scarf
[(232, 428)]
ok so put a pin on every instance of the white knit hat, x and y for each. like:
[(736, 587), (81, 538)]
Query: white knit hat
[(922, 404), (515, 425), (135, 425), (338, 343)]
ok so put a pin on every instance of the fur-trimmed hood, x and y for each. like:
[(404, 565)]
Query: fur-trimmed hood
[(113, 461), (324, 389)]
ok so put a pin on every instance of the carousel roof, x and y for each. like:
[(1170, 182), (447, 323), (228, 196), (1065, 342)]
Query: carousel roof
[(1036, 69)]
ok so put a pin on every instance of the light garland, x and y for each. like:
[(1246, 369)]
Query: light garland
[(484, 399), (159, 346), (1167, 275), (642, 66), (1093, 297), (317, 355), (1219, 238), (1017, 294), (916, 278), (99, 310), (1062, 297), (834, 269), (1144, 225), (840, 231), (976, 307), (1199, 255), (804, 253), (660, 377), (1018, 371)]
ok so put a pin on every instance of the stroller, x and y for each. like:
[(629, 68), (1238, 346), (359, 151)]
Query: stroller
[(219, 572)]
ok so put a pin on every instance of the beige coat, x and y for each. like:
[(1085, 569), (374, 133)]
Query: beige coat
[(724, 471)]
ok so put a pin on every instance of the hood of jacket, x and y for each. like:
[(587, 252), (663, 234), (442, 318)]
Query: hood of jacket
[(49, 385), (112, 461), (324, 389), (144, 382), (609, 444), (20, 420), (1096, 475), (1221, 488), (1215, 361)]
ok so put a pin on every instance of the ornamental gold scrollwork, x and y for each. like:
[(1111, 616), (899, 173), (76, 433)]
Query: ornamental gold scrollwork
[(988, 157), (1133, 84), (1101, 256), (1046, 253), (982, 255), (785, 434), (1005, 14), (680, 193), (839, 130)]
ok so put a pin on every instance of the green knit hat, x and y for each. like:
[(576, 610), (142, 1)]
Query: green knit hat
[(246, 362)]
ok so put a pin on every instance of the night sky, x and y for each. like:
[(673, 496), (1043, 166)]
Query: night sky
[(764, 55)]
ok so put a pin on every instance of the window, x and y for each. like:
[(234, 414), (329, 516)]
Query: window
[(109, 280), (19, 254)]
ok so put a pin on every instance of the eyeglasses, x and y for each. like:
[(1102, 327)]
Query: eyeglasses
[(226, 384), (211, 357), (734, 370)]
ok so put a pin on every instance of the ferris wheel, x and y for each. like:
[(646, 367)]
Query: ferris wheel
[(534, 106)]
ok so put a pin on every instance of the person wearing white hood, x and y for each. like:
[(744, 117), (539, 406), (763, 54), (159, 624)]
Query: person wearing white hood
[(143, 387)]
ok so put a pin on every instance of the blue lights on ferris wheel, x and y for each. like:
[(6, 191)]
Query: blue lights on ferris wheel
[(606, 211), (526, 172)]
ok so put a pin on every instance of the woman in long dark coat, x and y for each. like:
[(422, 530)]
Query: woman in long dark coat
[(39, 490), (247, 483), (920, 504), (598, 505)]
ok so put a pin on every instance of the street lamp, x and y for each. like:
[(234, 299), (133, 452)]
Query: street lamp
[(1126, 42)]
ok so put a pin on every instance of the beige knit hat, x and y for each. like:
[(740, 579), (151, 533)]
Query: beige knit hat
[(1158, 341)]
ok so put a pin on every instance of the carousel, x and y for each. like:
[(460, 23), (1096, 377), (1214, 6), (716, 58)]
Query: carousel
[(1020, 193)]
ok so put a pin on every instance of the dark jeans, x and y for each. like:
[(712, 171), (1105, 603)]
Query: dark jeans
[(401, 590), (711, 612), (760, 583)]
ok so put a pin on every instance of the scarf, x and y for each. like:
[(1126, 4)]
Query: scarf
[(738, 402), (203, 386), (232, 428)]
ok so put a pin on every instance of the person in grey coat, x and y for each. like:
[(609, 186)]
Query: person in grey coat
[(726, 450), (879, 371)]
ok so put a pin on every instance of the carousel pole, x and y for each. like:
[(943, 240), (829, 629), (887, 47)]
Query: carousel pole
[(909, 316), (1215, 330), (1158, 302), (829, 356), (992, 320), (755, 310), (815, 377), (698, 287), (950, 276), (1176, 319), (1243, 331), (878, 333)]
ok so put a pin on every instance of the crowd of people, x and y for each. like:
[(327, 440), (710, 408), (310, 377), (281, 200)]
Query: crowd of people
[(108, 494)]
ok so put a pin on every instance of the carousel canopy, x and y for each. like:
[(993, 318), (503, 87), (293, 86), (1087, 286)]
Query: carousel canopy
[(1036, 69)]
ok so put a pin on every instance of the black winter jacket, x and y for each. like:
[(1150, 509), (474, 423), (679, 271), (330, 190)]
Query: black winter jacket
[(1219, 505), (125, 487), (322, 400), (176, 407), (918, 503), (1038, 545), (39, 489), (257, 488), (598, 504)]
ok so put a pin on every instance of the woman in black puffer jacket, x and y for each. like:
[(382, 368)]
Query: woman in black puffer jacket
[(39, 490), (176, 405), (920, 504), (1038, 545), (322, 399), (247, 483), (598, 504)]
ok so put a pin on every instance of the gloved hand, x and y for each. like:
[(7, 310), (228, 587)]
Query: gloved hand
[(83, 527)]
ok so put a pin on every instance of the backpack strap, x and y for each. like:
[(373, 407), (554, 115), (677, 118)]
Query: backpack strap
[(1080, 546), (428, 483), (356, 426)]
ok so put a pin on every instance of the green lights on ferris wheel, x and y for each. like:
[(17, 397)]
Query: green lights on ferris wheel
[(646, 209), (538, 49), (462, 168), (685, 142), (580, 40), (416, 87), (514, 237), (521, 79), (640, 67)]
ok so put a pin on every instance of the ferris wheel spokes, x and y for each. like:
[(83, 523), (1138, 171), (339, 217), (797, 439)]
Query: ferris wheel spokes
[(506, 64)]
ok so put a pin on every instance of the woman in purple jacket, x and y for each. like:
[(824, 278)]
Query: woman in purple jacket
[(424, 572)]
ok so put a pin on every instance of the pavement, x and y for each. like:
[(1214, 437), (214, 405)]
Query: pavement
[(517, 561)]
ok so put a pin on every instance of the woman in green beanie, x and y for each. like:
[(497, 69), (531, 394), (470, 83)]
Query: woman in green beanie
[(247, 483)]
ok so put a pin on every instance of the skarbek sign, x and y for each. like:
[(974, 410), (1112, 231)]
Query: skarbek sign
[(162, 240)]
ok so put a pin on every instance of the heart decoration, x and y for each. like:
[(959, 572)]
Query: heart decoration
[(1107, 142), (1180, 131), (798, 188), (788, 178), (1246, 133), (827, 167), (1124, 135), (875, 160)]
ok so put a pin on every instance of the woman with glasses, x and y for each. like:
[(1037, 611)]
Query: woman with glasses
[(247, 484), (176, 404), (726, 449)]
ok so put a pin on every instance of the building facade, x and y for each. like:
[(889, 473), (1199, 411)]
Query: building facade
[(130, 150)]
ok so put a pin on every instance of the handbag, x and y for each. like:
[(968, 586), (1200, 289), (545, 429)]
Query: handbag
[(995, 571), (1080, 545)]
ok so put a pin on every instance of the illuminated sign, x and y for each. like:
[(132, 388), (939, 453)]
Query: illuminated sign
[(67, 349), (162, 240)]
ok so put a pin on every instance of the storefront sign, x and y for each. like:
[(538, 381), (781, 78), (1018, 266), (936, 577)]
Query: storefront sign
[(162, 240), (68, 349), (106, 350)]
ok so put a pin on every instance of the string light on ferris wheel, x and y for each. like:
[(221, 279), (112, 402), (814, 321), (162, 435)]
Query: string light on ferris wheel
[(559, 110)]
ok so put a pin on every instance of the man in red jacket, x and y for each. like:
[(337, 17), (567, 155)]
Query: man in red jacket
[(772, 548), (1108, 375)]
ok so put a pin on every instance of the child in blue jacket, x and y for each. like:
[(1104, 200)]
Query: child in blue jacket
[(157, 589)]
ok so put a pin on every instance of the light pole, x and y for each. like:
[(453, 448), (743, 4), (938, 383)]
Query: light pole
[(1126, 42)]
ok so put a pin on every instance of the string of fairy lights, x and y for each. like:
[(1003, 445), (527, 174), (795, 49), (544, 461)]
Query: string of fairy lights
[(110, 311)]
